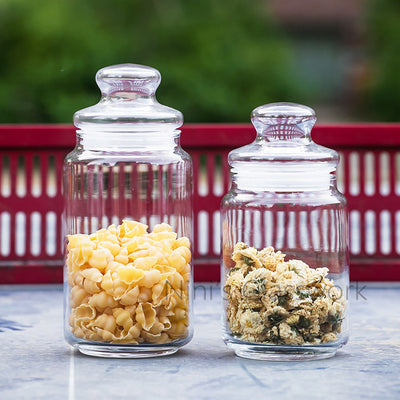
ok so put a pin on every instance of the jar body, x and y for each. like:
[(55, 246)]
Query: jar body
[(280, 301), (127, 270)]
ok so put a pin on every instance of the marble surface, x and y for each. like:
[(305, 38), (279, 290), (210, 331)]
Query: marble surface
[(36, 362)]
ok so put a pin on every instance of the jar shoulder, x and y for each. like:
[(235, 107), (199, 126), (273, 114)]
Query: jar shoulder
[(82, 156), (238, 198)]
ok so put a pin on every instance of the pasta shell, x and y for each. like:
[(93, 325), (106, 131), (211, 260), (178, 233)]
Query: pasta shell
[(178, 330), (163, 227), (92, 274), (162, 235), (122, 256), (166, 323), (183, 241), (130, 297), (91, 287), (165, 270), (100, 258), (152, 338), (144, 295), (113, 247), (179, 314), (145, 263), (85, 313), (146, 315), (150, 278), (105, 235), (157, 328), (104, 321), (130, 275), (123, 318), (131, 228), (138, 243), (184, 252), (78, 296), (176, 261), (113, 286), (101, 301)]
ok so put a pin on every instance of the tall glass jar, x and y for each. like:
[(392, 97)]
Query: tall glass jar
[(284, 242), (128, 221)]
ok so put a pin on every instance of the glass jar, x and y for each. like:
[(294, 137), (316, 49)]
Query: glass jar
[(284, 273), (128, 221)]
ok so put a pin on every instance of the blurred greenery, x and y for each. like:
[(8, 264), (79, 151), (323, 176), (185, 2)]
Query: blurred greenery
[(218, 59), (383, 87)]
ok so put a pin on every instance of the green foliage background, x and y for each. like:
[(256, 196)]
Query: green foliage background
[(383, 91), (218, 59)]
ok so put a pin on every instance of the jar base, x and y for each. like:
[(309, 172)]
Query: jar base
[(123, 352), (282, 353)]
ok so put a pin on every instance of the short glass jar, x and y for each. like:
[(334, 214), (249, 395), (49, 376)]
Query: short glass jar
[(284, 272), (128, 221)]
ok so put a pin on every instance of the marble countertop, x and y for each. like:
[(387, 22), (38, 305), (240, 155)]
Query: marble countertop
[(36, 362)]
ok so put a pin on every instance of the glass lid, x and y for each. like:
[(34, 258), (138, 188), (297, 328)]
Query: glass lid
[(284, 136), (128, 102), (283, 156)]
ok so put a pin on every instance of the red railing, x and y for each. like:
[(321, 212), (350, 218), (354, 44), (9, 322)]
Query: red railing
[(31, 159)]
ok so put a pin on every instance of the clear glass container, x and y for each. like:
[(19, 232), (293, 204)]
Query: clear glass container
[(128, 221), (284, 272)]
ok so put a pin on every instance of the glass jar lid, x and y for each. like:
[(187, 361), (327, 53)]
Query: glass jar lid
[(283, 156), (128, 102)]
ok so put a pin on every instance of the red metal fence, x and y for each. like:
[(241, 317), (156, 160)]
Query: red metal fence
[(31, 159)]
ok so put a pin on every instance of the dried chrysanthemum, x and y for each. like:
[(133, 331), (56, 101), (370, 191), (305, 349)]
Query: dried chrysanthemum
[(271, 300)]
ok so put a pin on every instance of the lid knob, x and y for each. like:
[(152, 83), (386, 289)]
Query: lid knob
[(128, 78), (283, 121)]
